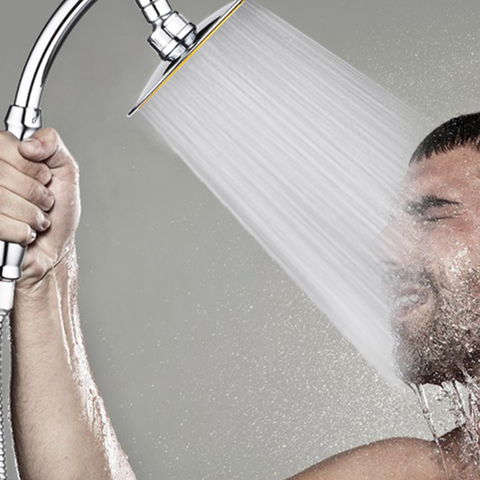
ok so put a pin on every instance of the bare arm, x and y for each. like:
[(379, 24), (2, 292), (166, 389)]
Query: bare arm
[(60, 426)]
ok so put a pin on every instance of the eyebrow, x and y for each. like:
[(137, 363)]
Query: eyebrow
[(426, 203)]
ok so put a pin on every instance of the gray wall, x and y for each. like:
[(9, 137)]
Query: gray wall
[(212, 364)]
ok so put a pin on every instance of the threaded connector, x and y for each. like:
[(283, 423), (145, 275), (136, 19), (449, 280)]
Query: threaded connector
[(172, 33), (23, 122), (154, 10)]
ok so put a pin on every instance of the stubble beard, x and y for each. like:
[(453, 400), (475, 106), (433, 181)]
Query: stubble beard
[(445, 343)]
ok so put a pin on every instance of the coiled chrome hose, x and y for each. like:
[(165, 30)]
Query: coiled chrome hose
[(4, 318), (7, 289)]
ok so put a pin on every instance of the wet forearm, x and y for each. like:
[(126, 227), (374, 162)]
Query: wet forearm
[(60, 426)]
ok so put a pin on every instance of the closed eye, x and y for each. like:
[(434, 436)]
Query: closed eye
[(429, 208), (438, 218), (427, 203)]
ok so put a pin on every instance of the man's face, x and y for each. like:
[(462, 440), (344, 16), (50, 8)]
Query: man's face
[(431, 257)]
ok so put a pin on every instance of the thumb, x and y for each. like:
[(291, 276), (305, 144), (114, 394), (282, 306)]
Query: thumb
[(41, 146)]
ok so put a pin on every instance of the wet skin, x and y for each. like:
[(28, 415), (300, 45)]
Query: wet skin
[(431, 257)]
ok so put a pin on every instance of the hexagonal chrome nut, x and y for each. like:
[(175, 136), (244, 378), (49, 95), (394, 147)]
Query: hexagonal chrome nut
[(175, 23), (160, 38), (181, 29), (186, 33), (167, 47), (190, 37), (177, 52)]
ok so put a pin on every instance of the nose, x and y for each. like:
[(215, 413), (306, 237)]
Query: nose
[(399, 243)]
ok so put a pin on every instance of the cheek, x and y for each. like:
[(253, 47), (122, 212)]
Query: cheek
[(453, 252)]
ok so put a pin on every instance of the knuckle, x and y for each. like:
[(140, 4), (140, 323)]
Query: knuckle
[(5, 169), (5, 232), (30, 168), (49, 135), (6, 137), (28, 234), (48, 198), (3, 197), (38, 220), (49, 132), (40, 168), (31, 192), (42, 195), (42, 174), (17, 232)]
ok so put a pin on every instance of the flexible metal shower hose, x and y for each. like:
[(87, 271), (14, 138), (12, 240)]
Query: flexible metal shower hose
[(3, 459)]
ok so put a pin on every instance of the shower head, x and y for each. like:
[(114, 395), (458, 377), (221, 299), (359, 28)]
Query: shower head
[(170, 65)]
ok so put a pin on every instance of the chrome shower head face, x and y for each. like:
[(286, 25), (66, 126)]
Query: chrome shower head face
[(187, 41)]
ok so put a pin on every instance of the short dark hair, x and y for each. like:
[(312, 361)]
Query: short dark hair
[(458, 132)]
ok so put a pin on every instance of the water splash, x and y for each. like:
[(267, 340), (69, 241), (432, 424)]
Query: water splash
[(465, 399), (419, 391), (305, 151)]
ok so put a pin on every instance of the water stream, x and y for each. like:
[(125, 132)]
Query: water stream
[(460, 401), (419, 391), (305, 151)]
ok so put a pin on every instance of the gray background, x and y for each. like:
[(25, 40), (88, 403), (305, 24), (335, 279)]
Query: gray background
[(211, 363)]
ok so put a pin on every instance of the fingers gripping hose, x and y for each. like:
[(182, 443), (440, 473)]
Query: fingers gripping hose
[(23, 123)]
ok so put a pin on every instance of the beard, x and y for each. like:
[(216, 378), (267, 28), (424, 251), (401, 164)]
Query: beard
[(440, 340)]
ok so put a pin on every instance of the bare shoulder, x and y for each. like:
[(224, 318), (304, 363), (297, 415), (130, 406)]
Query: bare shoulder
[(392, 459)]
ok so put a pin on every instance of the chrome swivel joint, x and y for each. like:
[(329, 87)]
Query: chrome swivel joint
[(11, 259), (172, 33)]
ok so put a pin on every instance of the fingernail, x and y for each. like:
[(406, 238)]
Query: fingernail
[(32, 143), (46, 222), (51, 200), (33, 235), (44, 177)]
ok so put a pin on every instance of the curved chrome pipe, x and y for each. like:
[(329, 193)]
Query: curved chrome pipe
[(172, 36), (24, 117), (37, 68)]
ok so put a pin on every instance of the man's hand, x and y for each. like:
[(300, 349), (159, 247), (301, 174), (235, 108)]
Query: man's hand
[(39, 200)]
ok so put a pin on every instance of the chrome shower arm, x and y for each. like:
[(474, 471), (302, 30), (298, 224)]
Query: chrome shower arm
[(172, 35), (37, 68), (62, 22), (24, 117)]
